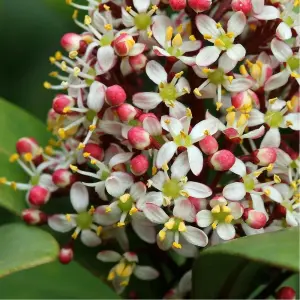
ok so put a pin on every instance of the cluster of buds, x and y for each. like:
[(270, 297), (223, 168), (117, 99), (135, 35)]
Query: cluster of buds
[(184, 127)]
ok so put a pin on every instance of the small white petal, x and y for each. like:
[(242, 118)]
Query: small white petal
[(236, 23), (178, 111), (166, 244), (137, 49), (273, 194), (207, 25), (102, 217), (258, 204), (46, 181), (271, 138), (255, 134), (106, 57), (238, 168), (294, 118), (79, 197), (145, 272), (190, 46), (277, 80), (199, 130), (100, 190), (204, 218), (195, 158), (138, 190), (60, 223), (283, 31), (160, 51), (152, 126), (119, 159), (226, 231), (127, 19), (250, 231), (184, 209), (95, 99), (146, 100), (152, 197), (207, 56), (145, 233), (290, 219), (236, 209), (90, 238), (226, 63), (258, 6), (268, 13), (195, 236), (185, 283), (180, 166), (108, 256), (165, 153), (115, 186), (158, 180), (155, 214), (256, 118), (237, 52), (281, 50), (197, 190), (156, 72), (239, 85), (159, 27), (234, 191)]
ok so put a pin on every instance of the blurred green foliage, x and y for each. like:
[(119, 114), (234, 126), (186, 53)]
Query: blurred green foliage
[(30, 32)]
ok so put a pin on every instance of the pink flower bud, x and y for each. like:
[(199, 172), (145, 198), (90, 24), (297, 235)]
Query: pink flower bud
[(34, 216), (28, 145), (139, 138), (142, 117), (115, 95), (177, 4), (138, 62), (199, 5), (233, 135), (126, 112), (255, 219), (123, 44), (38, 195), (209, 145), (244, 101), (63, 178), (222, 160), (94, 150), (244, 6), (265, 156), (60, 102), (66, 255), (139, 165), (71, 41), (286, 292)]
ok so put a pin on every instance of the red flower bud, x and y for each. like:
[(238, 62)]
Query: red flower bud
[(123, 44), (142, 117), (255, 219), (138, 62), (126, 112), (286, 292), (139, 138), (244, 6), (139, 165), (63, 178), (38, 195), (233, 135), (209, 145), (28, 145), (199, 5), (177, 4), (61, 102), (115, 95), (244, 101), (34, 216), (66, 255), (70, 41), (265, 156), (222, 160), (94, 150)]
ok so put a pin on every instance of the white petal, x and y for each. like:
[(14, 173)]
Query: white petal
[(268, 13), (160, 51), (204, 218), (159, 27), (258, 204), (199, 130), (90, 238), (152, 197), (180, 166), (190, 46), (119, 159), (115, 186), (237, 52), (185, 283), (152, 126), (236, 23), (277, 80), (195, 159), (197, 190), (125, 66), (138, 190), (207, 56), (226, 231), (234, 191), (239, 85), (60, 223), (107, 218), (283, 31), (166, 244), (254, 134), (173, 125), (79, 197), (46, 181), (271, 138), (165, 153), (95, 99), (158, 180), (181, 84), (236, 209), (100, 190), (283, 189), (108, 256), (184, 209), (290, 219), (178, 111), (294, 118), (195, 236), (156, 72), (207, 25), (146, 100), (187, 60), (238, 168), (145, 233), (141, 6), (274, 194), (137, 49), (258, 6), (145, 272), (187, 250), (226, 63), (106, 56), (281, 50), (155, 214), (250, 231), (127, 19), (256, 118)]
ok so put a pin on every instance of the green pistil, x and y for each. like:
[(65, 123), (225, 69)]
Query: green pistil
[(248, 183), (104, 175), (168, 92), (294, 63), (174, 51), (273, 118), (142, 21), (183, 140), (84, 220), (105, 41), (35, 180), (226, 40), (127, 205), (216, 77), (171, 188), (90, 115)]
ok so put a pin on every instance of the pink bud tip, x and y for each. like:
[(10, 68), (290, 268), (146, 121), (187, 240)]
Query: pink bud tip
[(63, 178), (94, 150), (70, 41), (286, 292), (199, 5), (222, 160), (27, 145), (265, 156), (123, 44), (139, 165), (38, 195), (126, 112), (142, 117), (60, 102), (115, 95), (245, 100), (66, 255), (233, 135), (255, 219), (244, 6), (177, 4), (34, 217), (139, 138), (209, 145), (138, 62)]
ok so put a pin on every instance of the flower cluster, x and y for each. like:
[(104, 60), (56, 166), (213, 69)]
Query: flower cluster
[(181, 126)]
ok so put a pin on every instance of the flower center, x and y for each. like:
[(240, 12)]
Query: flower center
[(167, 92), (222, 214), (226, 41), (289, 21), (142, 21), (35, 179), (125, 202), (90, 115), (216, 77), (104, 175), (294, 63), (174, 51), (273, 118), (248, 183), (84, 220), (172, 188), (183, 140), (106, 40)]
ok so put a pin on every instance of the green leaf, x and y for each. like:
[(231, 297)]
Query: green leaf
[(15, 123), (24, 247), (55, 281)]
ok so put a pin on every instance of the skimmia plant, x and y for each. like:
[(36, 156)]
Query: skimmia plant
[(175, 122)]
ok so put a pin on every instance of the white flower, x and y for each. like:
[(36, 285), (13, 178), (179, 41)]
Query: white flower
[(127, 265), (179, 131), (214, 33), (261, 11), (83, 221), (168, 93)]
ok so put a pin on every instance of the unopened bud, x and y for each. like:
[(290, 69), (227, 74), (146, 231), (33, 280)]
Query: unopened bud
[(286, 292), (94, 150), (38, 195), (255, 219), (139, 165), (244, 6), (142, 117), (244, 101), (222, 160), (61, 103), (66, 255), (177, 4), (115, 95), (71, 41), (138, 62), (126, 112), (34, 216), (209, 145), (28, 145), (123, 44), (217, 200), (139, 138), (265, 156), (233, 135), (63, 178), (199, 5)]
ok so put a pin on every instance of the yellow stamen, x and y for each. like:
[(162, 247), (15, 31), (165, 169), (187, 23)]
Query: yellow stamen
[(58, 55), (99, 230), (197, 92), (162, 235), (154, 7), (228, 219), (206, 132), (177, 245), (73, 54), (74, 235), (243, 70), (289, 105), (76, 71), (294, 185), (68, 217), (14, 157), (47, 85), (93, 161), (269, 167), (86, 154), (53, 74), (216, 209), (124, 283), (124, 198), (230, 109), (92, 127), (219, 43), (120, 224), (28, 157), (80, 146), (106, 7), (66, 109), (295, 75), (188, 113), (75, 14), (249, 63), (128, 8), (169, 33), (181, 227), (167, 121), (186, 90), (3, 180), (288, 123), (184, 194), (13, 185), (165, 167), (170, 224), (257, 173), (230, 34), (149, 33), (177, 40), (242, 120), (179, 28), (277, 179), (111, 276), (214, 225), (63, 66), (230, 118), (226, 209), (73, 168), (207, 36), (218, 25), (61, 132), (133, 210), (120, 268), (154, 170), (179, 74), (230, 78), (267, 192), (107, 209), (52, 59), (219, 105), (192, 38), (92, 210), (108, 26)]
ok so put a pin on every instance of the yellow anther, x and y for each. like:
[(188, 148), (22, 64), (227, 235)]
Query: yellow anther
[(188, 113), (246, 108), (111, 276), (270, 167), (225, 209), (165, 167), (154, 170), (177, 40), (76, 71), (206, 70), (3, 180), (296, 3), (219, 105), (294, 185), (179, 74), (170, 224), (108, 26), (197, 92), (277, 179), (63, 66), (182, 134), (58, 55), (242, 120), (259, 63), (107, 209), (295, 75), (288, 123), (28, 157), (228, 219), (257, 173), (179, 28), (73, 168), (167, 121), (75, 14), (106, 7), (80, 146), (133, 210), (128, 8), (206, 132), (267, 192), (162, 235), (13, 185), (177, 245), (87, 20), (184, 194), (99, 230), (249, 63), (124, 198), (192, 38), (230, 78), (124, 283), (214, 225), (289, 105), (66, 109), (92, 210), (120, 224), (14, 157), (255, 71), (243, 70), (230, 34), (92, 127), (74, 235), (252, 26), (181, 227), (73, 54), (218, 25), (219, 43), (169, 33), (230, 118), (207, 36), (149, 34), (53, 74), (68, 2), (68, 217), (86, 154), (47, 85), (154, 7), (120, 268), (52, 59), (93, 161), (216, 209), (186, 90), (230, 109), (61, 132)]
